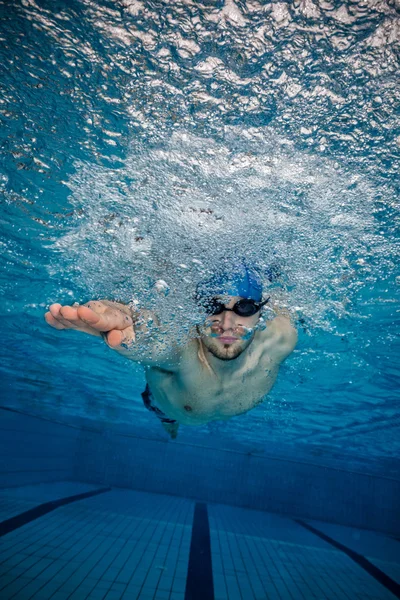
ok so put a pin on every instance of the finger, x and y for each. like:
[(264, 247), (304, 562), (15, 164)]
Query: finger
[(110, 319), (125, 338), (55, 309), (114, 338), (63, 317), (67, 317), (50, 320), (70, 318), (69, 313), (56, 312)]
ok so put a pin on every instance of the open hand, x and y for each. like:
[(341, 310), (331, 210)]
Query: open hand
[(110, 320)]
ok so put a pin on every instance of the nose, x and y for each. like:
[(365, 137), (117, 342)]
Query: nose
[(227, 320)]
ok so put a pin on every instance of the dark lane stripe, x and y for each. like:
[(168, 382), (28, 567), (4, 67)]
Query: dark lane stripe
[(363, 562), (42, 509), (199, 583)]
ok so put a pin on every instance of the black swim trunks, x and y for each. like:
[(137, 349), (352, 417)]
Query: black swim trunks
[(149, 403)]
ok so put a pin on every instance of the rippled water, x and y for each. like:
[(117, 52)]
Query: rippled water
[(147, 140)]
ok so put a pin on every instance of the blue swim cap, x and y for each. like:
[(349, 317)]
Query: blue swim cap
[(236, 280)]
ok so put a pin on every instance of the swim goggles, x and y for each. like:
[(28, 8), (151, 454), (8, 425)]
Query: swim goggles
[(243, 308)]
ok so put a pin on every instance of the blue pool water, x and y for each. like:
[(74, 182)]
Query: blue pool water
[(138, 137), (146, 140)]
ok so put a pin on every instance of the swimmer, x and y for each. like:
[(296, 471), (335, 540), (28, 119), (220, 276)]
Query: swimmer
[(228, 364)]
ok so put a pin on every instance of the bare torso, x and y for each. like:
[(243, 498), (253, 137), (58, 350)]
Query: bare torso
[(194, 392)]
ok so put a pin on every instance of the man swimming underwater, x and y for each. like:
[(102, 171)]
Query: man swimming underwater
[(225, 369)]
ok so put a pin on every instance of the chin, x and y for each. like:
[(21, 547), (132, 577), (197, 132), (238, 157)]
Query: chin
[(225, 357), (225, 351)]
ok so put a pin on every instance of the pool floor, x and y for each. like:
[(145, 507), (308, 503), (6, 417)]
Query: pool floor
[(141, 546)]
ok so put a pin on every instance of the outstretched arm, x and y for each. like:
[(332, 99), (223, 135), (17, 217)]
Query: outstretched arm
[(120, 326)]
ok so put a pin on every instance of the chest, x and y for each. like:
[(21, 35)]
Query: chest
[(200, 391), (202, 381)]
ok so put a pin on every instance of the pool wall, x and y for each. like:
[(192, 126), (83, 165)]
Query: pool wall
[(35, 450), (287, 487)]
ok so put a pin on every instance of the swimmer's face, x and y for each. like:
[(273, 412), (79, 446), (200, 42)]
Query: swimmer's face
[(227, 335)]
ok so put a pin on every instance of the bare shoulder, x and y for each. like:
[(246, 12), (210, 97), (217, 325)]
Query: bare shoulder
[(282, 325), (280, 337)]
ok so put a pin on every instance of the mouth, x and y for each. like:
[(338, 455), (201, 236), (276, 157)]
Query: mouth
[(227, 339)]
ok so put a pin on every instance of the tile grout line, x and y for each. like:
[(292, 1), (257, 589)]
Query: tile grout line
[(359, 559), (42, 509)]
